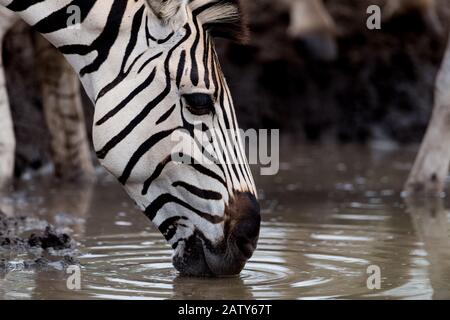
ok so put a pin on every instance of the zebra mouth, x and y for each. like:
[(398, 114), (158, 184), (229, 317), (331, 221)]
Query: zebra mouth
[(198, 256), (190, 258), (199, 259)]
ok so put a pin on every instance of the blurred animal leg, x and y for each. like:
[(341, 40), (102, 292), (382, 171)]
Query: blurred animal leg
[(64, 115), (7, 137), (432, 164), (311, 23), (430, 222)]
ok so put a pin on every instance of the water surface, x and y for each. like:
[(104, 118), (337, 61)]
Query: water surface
[(330, 214)]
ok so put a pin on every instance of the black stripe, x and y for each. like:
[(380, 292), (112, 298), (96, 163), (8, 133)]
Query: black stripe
[(201, 193), (180, 68), (133, 124), (104, 42), (156, 56), (226, 155), (237, 167), (149, 107), (194, 65), (118, 79), (143, 149), (156, 173), (152, 210), (214, 73), (224, 163), (199, 10), (222, 102), (243, 165), (207, 45), (127, 100), (169, 227), (158, 41), (207, 172), (166, 39), (218, 93), (186, 160), (58, 19), (237, 164), (166, 115), (147, 32), (209, 156), (21, 5), (205, 128), (135, 26), (232, 163)]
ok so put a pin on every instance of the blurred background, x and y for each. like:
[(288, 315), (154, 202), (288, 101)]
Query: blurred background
[(335, 81)]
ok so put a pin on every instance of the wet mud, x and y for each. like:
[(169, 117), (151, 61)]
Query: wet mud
[(31, 244)]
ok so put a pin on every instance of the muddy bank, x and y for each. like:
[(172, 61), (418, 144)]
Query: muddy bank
[(31, 244)]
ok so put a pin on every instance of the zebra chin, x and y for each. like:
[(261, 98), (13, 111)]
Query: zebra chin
[(197, 256)]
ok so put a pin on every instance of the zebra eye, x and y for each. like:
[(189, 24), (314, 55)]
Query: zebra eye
[(199, 104)]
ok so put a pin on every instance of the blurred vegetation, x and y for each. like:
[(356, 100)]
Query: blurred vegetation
[(380, 86)]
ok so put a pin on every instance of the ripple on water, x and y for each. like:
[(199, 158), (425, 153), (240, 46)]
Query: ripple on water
[(310, 258), (292, 261)]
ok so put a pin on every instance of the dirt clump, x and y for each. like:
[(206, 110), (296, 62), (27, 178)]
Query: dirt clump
[(32, 244)]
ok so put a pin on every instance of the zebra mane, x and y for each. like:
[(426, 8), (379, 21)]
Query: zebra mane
[(222, 18)]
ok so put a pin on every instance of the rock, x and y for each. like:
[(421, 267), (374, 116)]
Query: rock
[(50, 239), (20, 250)]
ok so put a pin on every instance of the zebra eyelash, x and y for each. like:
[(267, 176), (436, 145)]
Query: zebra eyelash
[(224, 19), (199, 103)]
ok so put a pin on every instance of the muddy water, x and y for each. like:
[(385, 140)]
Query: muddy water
[(329, 215)]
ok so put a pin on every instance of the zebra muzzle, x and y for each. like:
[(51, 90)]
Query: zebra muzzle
[(244, 221), (200, 257)]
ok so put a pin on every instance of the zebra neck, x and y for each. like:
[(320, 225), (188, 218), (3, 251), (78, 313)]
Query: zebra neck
[(94, 35)]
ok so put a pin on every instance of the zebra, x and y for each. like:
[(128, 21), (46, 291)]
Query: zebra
[(151, 69), (63, 111)]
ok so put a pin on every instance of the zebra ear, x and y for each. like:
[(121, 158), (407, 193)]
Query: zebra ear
[(169, 11)]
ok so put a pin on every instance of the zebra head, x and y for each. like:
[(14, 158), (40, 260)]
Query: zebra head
[(199, 192)]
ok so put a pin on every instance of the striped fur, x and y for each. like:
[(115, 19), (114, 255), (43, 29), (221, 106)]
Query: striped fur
[(144, 63)]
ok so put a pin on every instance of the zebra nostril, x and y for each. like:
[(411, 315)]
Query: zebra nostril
[(247, 229), (245, 237), (246, 246), (244, 214)]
